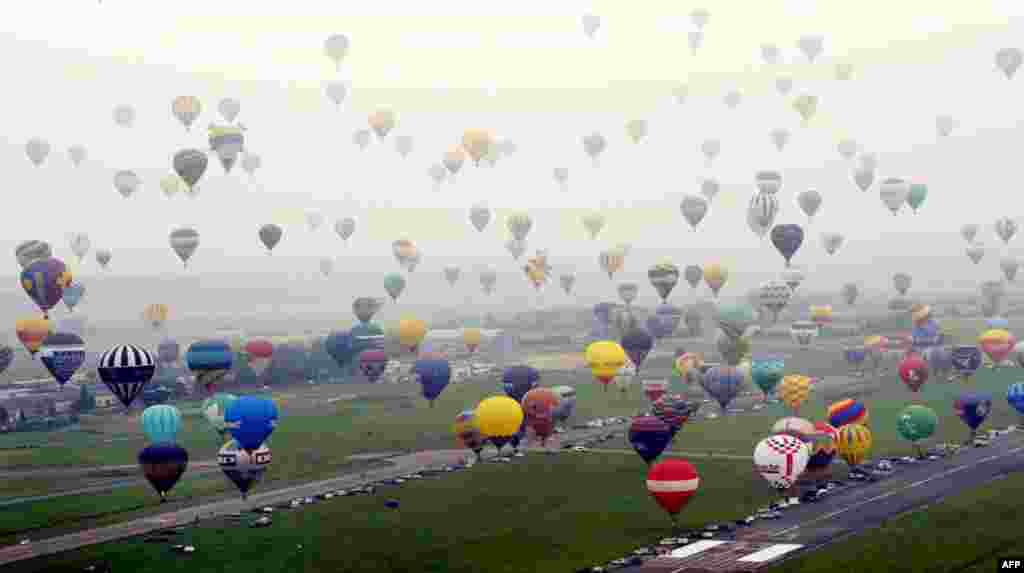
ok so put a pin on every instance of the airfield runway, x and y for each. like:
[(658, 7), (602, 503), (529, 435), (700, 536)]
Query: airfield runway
[(403, 464), (847, 512)]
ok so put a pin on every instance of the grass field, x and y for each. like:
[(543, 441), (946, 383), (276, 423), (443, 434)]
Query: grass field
[(965, 533), (541, 514)]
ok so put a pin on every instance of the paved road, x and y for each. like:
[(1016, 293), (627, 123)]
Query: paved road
[(855, 509), (399, 465)]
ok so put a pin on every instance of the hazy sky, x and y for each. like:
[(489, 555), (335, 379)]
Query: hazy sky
[(526, 70)]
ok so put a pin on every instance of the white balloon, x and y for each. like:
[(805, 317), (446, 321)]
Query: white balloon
[(781, 459)]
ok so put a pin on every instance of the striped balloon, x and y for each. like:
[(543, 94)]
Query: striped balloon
[(847, 411), (126, 369), (672, 483), (763, 209), (823, 446), (854, 443)]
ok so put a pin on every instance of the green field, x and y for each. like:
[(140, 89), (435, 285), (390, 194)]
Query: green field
[(541, 514), (965, 533), (314, 440)]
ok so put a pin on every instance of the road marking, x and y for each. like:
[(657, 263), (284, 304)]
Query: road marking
[(876, 498)]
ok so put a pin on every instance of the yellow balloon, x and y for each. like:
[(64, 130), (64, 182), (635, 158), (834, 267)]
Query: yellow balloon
[(156, 314), (794, 390), (411, 332), (382, 121), (995, 335), (472, 337), (854, 443), (715, 276), (477, 143), (499, 416), (605, 359), (31, 332)]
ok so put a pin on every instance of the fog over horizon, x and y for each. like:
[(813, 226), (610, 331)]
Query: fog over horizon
[(527, 73)]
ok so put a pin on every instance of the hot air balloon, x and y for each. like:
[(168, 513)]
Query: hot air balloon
[(916, 423), (804, 332), (155, 315), (500, 418), (694, 208), (822, 444), (997, 344), (488, 280), (406, 253), (674, 410), (44, 282), (37, 150), (243, 467), (433, 375), (126, 369), (566, 404), (715, 276), (637, 343), (161, 423), (382, 121), (77, 154), (190, 165), (518, 380), (259, 353), (809, 202), (467, 432), (649, 436), (966, 360), (821, 315), (163, 464), (411, 332), (913, 371), (63, 354), (372, 364), (394, 284), (538, 406), (664, 277), (723, 384), (780, 459), (848, 411), (611, 261), (787, 240), (213, 409), (774, 296), (1015, 397), (972, 408), (32, 332), (250, 420), (73, 293), (605, 358), (854, 443), (184, 242), (672, 483), (794, 391), (210, 361), (766, 372)]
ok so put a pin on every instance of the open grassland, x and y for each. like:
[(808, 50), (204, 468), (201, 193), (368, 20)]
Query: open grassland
[(540, 514), (965, 533)]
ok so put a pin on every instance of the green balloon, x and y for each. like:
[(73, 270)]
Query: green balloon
[(734, 319), (918, 193), (394, 283), (917, 422)]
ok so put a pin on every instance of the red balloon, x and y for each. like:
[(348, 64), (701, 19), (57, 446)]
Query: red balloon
[(914, 372), (259, 348), (672, 483)]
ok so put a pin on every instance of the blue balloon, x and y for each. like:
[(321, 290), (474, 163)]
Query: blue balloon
[(996, 322), (518, 380), (63, 353), (369, 336), (391, 504), (161, 423), (787, 239), (1015, 396), (722, 383), (966, 359), (855, 355), (251, 420), (339, 345), (72, 294), (973, 408), (433, 375), (649, 436), (925, 336), (209, 355), (163, 465)]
